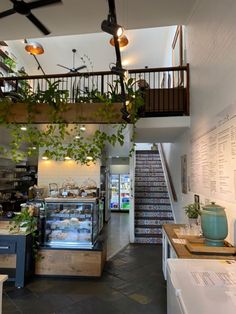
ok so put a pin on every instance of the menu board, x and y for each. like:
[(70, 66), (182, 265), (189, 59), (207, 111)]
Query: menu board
[(213, 158)]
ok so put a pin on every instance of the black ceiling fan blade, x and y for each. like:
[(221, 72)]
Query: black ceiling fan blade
[(7, 13), (80, 68), (38, 24), (42, 3), (62, 66)]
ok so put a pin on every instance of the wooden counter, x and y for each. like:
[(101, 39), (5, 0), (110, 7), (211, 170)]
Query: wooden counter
[(181, 250), (72, 262), (171, 249)]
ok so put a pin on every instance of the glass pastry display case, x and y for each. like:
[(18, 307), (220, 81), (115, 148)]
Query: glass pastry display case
[(71, 222)]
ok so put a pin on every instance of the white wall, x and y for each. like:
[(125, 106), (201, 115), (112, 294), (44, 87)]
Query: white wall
[(211, 52), (51, 171), (119, 169)]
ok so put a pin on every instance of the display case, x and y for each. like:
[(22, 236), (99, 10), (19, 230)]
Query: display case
[(71, 223)]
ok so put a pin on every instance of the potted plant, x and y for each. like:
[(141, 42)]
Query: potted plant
[(26, 221), (192, 211)]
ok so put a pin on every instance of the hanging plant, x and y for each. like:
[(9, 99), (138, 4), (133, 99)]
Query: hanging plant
[(54, 135)]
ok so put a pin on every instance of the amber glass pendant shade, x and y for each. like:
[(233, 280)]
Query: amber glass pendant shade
[(34, 48), (123, 41)]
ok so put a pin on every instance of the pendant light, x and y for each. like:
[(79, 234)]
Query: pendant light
[(34, 48), (123, 41)]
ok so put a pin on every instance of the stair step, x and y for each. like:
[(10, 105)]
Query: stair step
[(150, 179), (147, 162), (149, 174), (148, 168), (151, 222), (150, 201), (152, 231), (152, 184), (151, 194), (148, 240), (150, 189), (148, 207), (152, 213)]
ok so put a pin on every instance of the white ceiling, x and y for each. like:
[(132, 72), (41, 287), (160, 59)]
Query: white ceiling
[(85, 16), (58, 50), (80, 23)]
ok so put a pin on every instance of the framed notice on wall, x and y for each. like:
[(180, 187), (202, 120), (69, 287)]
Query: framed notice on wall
[(184, 175)]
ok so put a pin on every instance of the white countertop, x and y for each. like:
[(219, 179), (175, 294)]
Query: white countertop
[(204, 286)]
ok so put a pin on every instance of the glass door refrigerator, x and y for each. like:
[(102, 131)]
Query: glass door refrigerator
[(120, 192)]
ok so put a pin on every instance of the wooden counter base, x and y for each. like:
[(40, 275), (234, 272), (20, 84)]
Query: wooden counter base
[(64, 262)]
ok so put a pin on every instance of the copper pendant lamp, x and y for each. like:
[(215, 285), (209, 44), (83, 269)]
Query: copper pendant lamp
[(122, 40), (34, 48)]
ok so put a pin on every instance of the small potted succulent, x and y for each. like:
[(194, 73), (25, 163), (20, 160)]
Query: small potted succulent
[(192, 211)]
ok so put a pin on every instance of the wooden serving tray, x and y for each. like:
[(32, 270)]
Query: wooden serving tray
[(201, 248)]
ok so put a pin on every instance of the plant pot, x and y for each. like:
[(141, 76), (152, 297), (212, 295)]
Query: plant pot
[(214, 224), (192, 221), (22, 228)]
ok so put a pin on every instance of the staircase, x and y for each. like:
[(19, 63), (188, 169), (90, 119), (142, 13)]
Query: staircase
[(152, 204)]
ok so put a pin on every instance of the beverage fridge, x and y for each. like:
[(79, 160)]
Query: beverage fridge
[(120, 192)]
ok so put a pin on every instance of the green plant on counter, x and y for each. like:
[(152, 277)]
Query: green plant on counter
[(26, 222), (192, 210), (52, 137)]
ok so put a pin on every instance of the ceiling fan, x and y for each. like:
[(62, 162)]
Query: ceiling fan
[(24, 8), (73, 69)]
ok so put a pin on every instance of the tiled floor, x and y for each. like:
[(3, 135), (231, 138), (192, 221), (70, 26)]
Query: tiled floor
[(117, 233), (132, 283)]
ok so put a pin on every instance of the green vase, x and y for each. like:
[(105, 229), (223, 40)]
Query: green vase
[(214, 224)]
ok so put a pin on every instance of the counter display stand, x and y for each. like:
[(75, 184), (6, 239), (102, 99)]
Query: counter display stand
[(70, 238), (71, 223), (16, 258)]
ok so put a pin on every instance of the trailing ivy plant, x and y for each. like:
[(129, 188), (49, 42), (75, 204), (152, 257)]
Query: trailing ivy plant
[(52, 137)]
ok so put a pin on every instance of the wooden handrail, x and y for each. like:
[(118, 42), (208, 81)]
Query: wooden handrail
[(151, 70), (174, 195)]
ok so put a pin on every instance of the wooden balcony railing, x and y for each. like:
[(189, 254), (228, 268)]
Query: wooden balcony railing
[(165, 90)]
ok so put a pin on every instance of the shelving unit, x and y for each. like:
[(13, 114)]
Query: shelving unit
[(6, 175), (6, 71), (14, 178), (24, 177)]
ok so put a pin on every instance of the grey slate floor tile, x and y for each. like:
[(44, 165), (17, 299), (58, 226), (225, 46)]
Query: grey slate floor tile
[(132, 282)]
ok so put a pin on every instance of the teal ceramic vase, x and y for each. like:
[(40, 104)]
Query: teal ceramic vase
[(214, 224)]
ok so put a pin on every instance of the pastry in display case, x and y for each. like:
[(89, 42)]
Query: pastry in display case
[(71, 223)]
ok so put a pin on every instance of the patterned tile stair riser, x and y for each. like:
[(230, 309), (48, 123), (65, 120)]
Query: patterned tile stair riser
[(148, 207), (153, 214), (152, 205), (152, 184), (150, 189), (151, 222)]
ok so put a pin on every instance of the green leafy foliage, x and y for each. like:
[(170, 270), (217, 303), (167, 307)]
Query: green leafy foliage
[(192, 210), (54, 135), (26, 219)]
